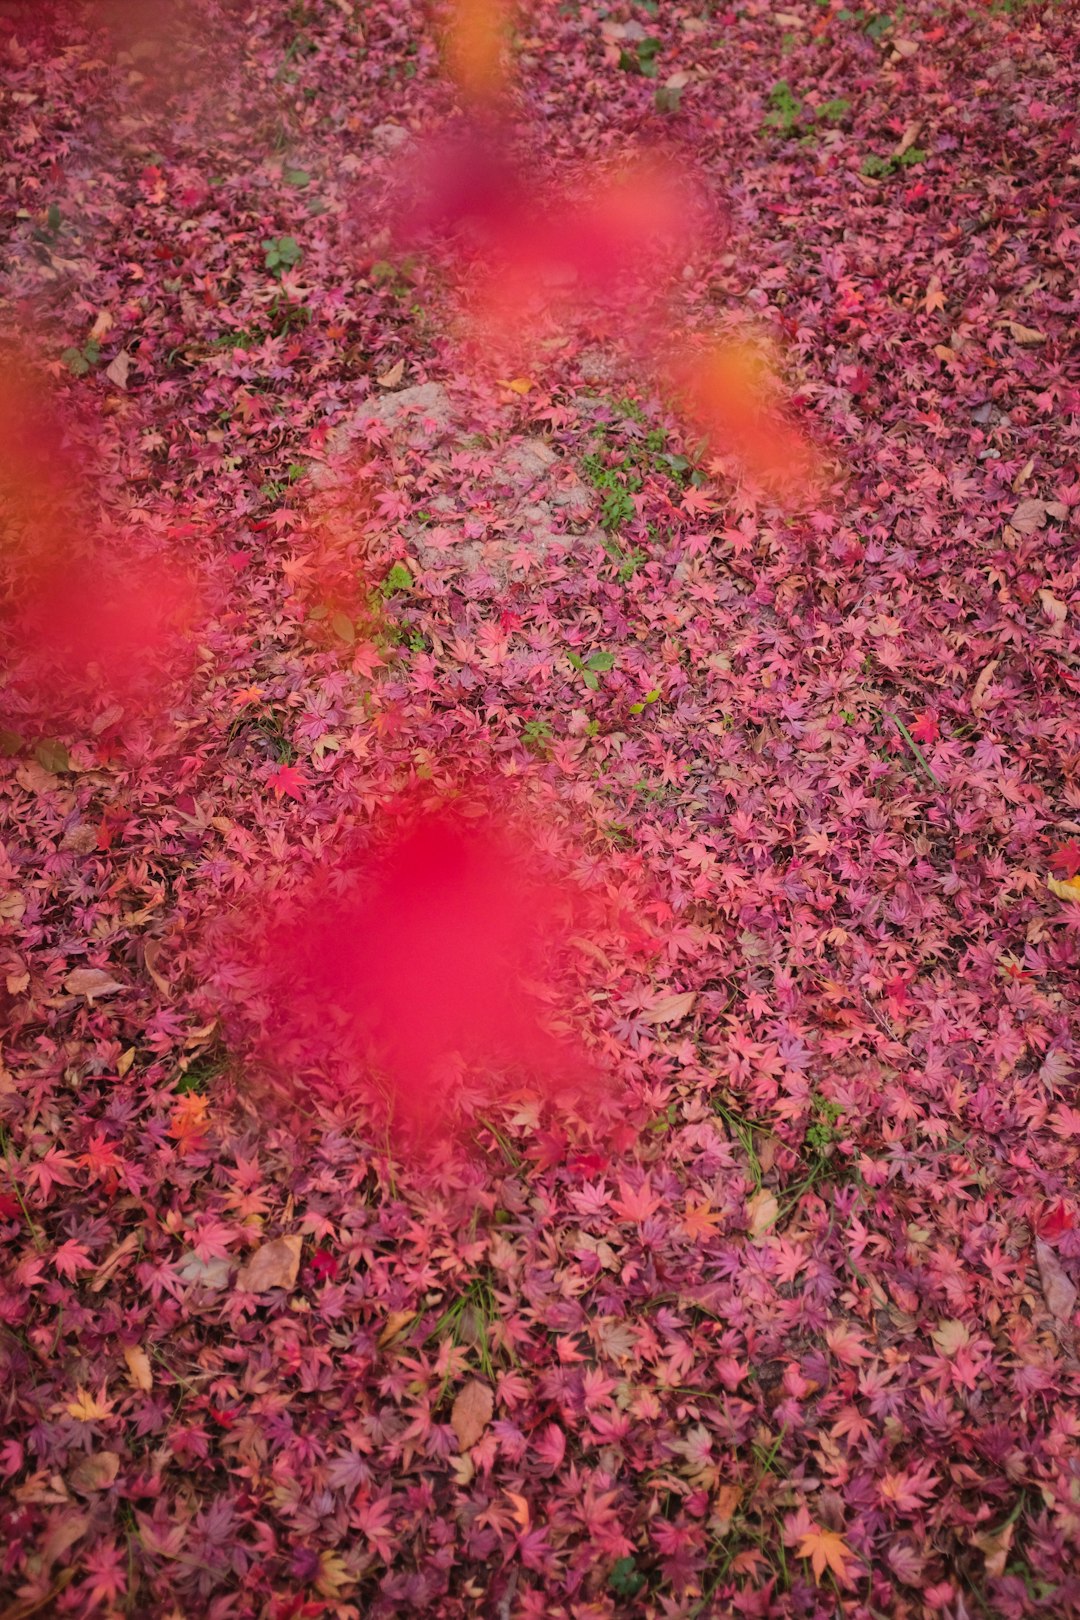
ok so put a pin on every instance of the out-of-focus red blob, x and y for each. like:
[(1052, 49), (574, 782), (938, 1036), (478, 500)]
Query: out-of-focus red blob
[(80, 618), (417, 963), (461, 181), (727, 392), (111, 623)]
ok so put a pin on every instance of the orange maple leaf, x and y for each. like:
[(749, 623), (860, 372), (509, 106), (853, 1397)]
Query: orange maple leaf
[(700, 1220), (189, 1121), (826, 1550)]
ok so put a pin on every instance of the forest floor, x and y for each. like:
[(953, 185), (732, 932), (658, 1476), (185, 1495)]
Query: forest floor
[(783, 1321)]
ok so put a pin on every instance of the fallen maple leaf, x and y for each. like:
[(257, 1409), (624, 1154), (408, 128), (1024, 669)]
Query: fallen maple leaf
[(1067, 890), (1066, 860), (287, 779), (274, 1265), (471, 1413), (700, 1220), (88, 1408), (826, 1550)]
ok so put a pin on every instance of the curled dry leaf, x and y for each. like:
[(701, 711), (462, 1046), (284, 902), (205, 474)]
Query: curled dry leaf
[(472, 1413), (1065, 888), (982, 686), (274, 1265), (96, 1472)]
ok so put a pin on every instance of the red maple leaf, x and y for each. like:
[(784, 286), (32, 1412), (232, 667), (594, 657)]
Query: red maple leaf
[(1065, 862), (324, 1265), (924, 728), (287, 779), (1055, 1219)]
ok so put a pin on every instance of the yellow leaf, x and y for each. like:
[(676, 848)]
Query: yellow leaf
[(826, 1550), (950, 1336), (520, 1509), (935, 298), (138, 1366), (87, 1408), (393, 1326), (124, 1061), (1065, 889), (1026, 334), (516, 385)]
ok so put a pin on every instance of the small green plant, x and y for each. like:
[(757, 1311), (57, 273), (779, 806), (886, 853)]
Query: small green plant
[(398, 579), (79, 361), (282, 253), (785, 111), (590, 669), (650, 697), (876, 168), (537, 736), (669, 98), (642, 59), (625, 1580)]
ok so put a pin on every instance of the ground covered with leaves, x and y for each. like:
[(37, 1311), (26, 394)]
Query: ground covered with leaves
[(781, 1322)]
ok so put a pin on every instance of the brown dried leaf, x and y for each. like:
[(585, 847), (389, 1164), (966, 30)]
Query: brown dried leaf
[(763, 1210), (1026, 334), (91, 982), (391, 378), (669, 1009), (274, 1265), (118, 368), (472, 1413), (1058, 1290), (96, 1472), (1029, 516)]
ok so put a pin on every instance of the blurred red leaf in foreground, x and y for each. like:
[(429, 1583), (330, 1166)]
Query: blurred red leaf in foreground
[(419, 961)]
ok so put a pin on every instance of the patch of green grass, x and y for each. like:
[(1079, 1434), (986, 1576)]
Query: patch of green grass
[(790, 116), (468, 1321)]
